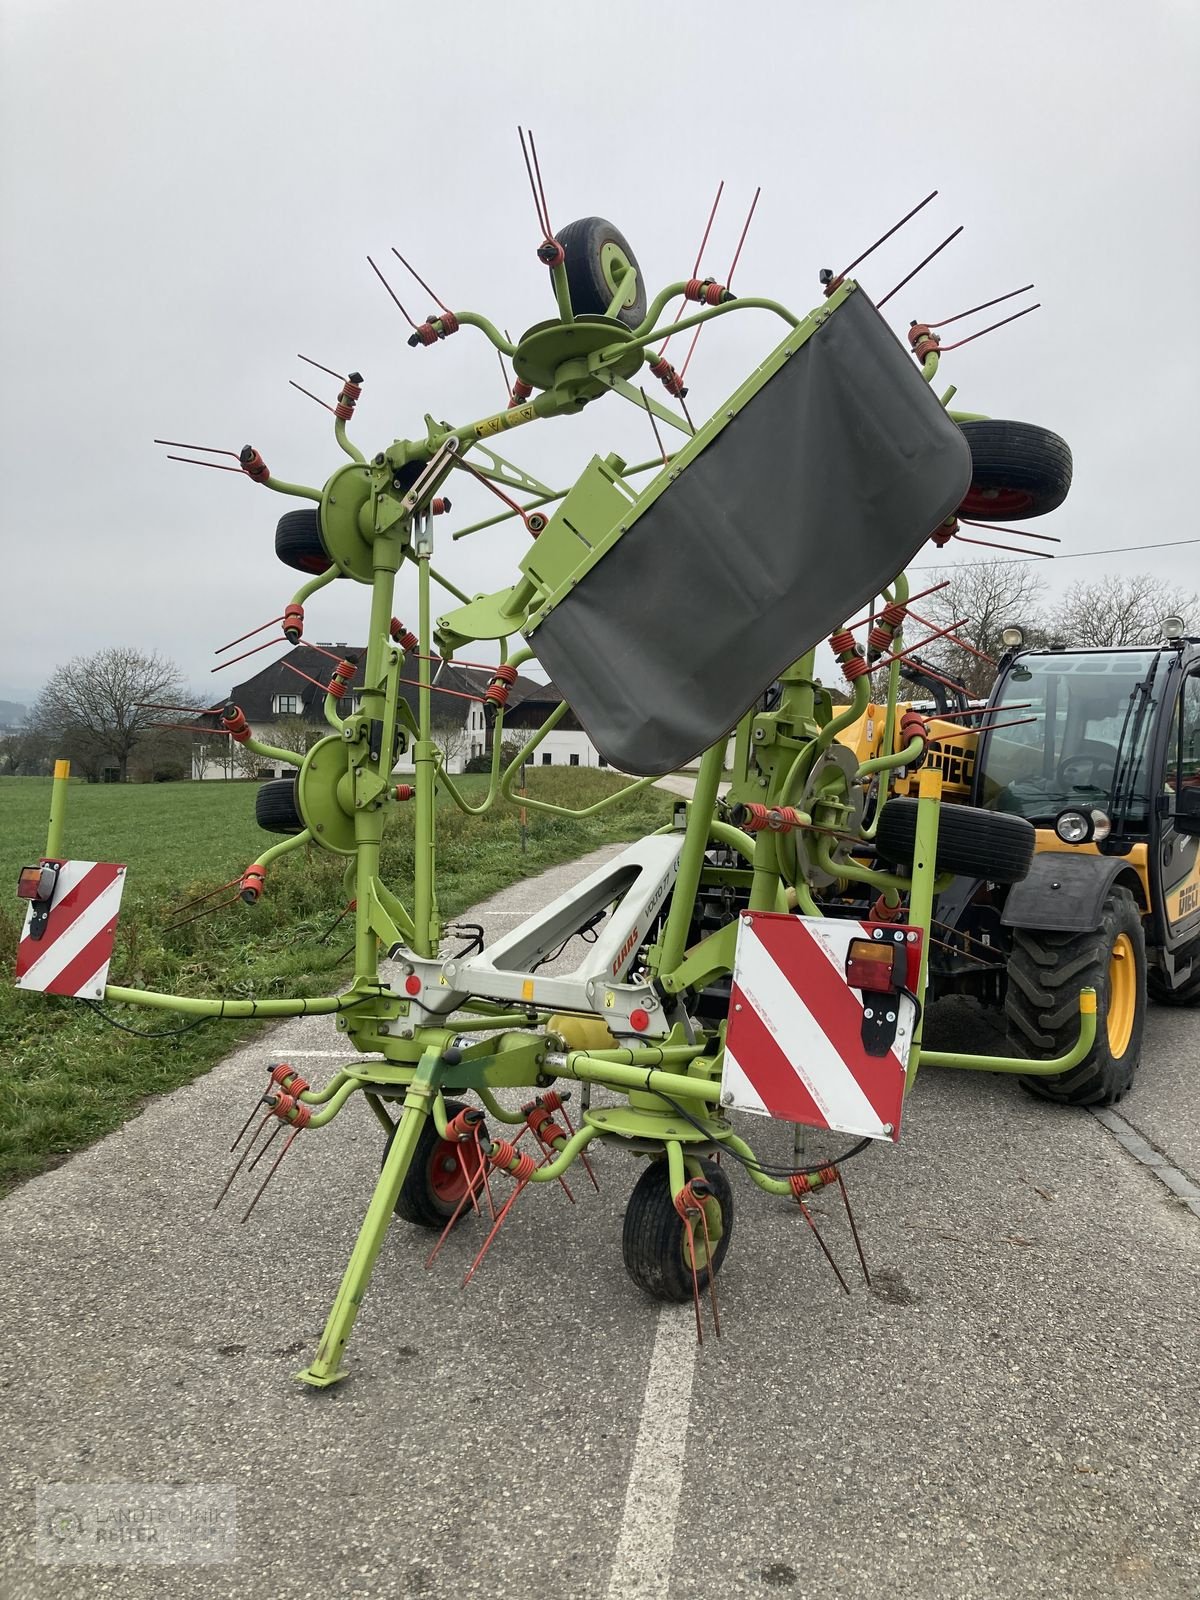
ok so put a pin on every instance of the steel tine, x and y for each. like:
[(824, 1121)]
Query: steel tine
[(691, 1239), (712, 1276), (296, 1132), (265, 1146), (825, 1248), (445, 1233), (248, 1121), (242, 1158), (496, 1226), (853, 1229)]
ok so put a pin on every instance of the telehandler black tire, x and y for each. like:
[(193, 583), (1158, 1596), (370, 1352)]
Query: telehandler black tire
[(977, 843), (1046, 971), (1188, 993), (583, 245)]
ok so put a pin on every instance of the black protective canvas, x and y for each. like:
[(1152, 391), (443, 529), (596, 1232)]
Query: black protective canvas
[(815, 495)]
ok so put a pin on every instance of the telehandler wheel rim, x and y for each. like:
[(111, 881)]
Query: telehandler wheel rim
[(1122, 995)]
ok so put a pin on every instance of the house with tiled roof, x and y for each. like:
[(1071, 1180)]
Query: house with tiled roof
[(284, 704)]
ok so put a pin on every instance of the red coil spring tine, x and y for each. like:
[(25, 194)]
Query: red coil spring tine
[(232, 661), (522, 1183), (414, 273), (257, 1135), (712, 1277), (537, 1119), (853, 1228), (1011, 549), (991, 328), (249, 1120), (391, 292), (808, 1217), (469, 1195), (266, 1145), (690, 1235), (295, 1134), (696, 265), (221, 649), (192, 462), (879, 304), (484, 1167), (997, 527), (321, 368), (944, 322), (311, 396)]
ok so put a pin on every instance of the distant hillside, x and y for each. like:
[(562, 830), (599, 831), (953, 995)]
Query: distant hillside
[(12, 713)]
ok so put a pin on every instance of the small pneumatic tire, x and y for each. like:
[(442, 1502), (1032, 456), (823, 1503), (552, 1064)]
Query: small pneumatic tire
[(276, 809), (654, 1239), (1017, 470), (588, 245), (298, 541), (971, 841), (437, 1175)]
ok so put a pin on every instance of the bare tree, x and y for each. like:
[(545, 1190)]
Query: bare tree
[(1120, 611), (92, 709), (985, 597)]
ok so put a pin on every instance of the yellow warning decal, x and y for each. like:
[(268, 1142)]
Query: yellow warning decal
[(503, 420)]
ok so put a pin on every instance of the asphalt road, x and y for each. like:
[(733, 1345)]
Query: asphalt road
[(1010, 1411)]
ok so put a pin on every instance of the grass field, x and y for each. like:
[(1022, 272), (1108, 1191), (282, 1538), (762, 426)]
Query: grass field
[(67, 1077)]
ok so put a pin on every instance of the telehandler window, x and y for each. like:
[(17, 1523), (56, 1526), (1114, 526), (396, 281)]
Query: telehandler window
[(1088, 743)]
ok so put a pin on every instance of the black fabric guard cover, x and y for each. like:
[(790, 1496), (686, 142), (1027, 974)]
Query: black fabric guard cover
[(817, 494)]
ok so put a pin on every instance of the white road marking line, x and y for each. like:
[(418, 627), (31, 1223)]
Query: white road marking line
[(1141, 1150), (331, 1055), (641, 1568)]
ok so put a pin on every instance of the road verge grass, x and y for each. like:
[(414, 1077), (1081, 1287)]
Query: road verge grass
[(67, 1077)]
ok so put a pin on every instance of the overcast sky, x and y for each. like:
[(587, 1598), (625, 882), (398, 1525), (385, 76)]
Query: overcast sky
[(189, 195)]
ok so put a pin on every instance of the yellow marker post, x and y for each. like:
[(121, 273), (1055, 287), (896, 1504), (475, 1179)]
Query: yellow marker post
[(58, 810)]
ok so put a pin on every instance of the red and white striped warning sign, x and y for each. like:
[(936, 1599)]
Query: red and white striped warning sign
[(73, 953), (794, 1047)]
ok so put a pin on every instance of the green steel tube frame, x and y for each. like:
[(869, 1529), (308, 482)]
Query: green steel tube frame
[(417, 1067)]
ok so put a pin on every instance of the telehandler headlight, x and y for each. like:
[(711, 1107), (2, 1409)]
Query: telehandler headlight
[(1012, 638), (1101, 826), (1073, 827), (1172, 628)]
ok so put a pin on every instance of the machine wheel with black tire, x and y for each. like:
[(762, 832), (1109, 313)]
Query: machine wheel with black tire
[(977, 843), (298, 542), (276, 808), (1046, 971), (593, 248), (654, 1240), (1017, 470), (437, 1175)]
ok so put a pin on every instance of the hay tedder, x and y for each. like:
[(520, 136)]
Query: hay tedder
[(761, 954)]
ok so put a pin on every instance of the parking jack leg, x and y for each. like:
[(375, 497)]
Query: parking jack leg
[(326, 1369)]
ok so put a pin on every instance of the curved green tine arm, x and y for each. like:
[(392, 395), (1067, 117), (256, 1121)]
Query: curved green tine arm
[(331, 713), (313, 584), (352, 450), (489, 799), (707, 315), (301, 490), (472, 319), (900, 758), (282, 848), (271, 753)]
